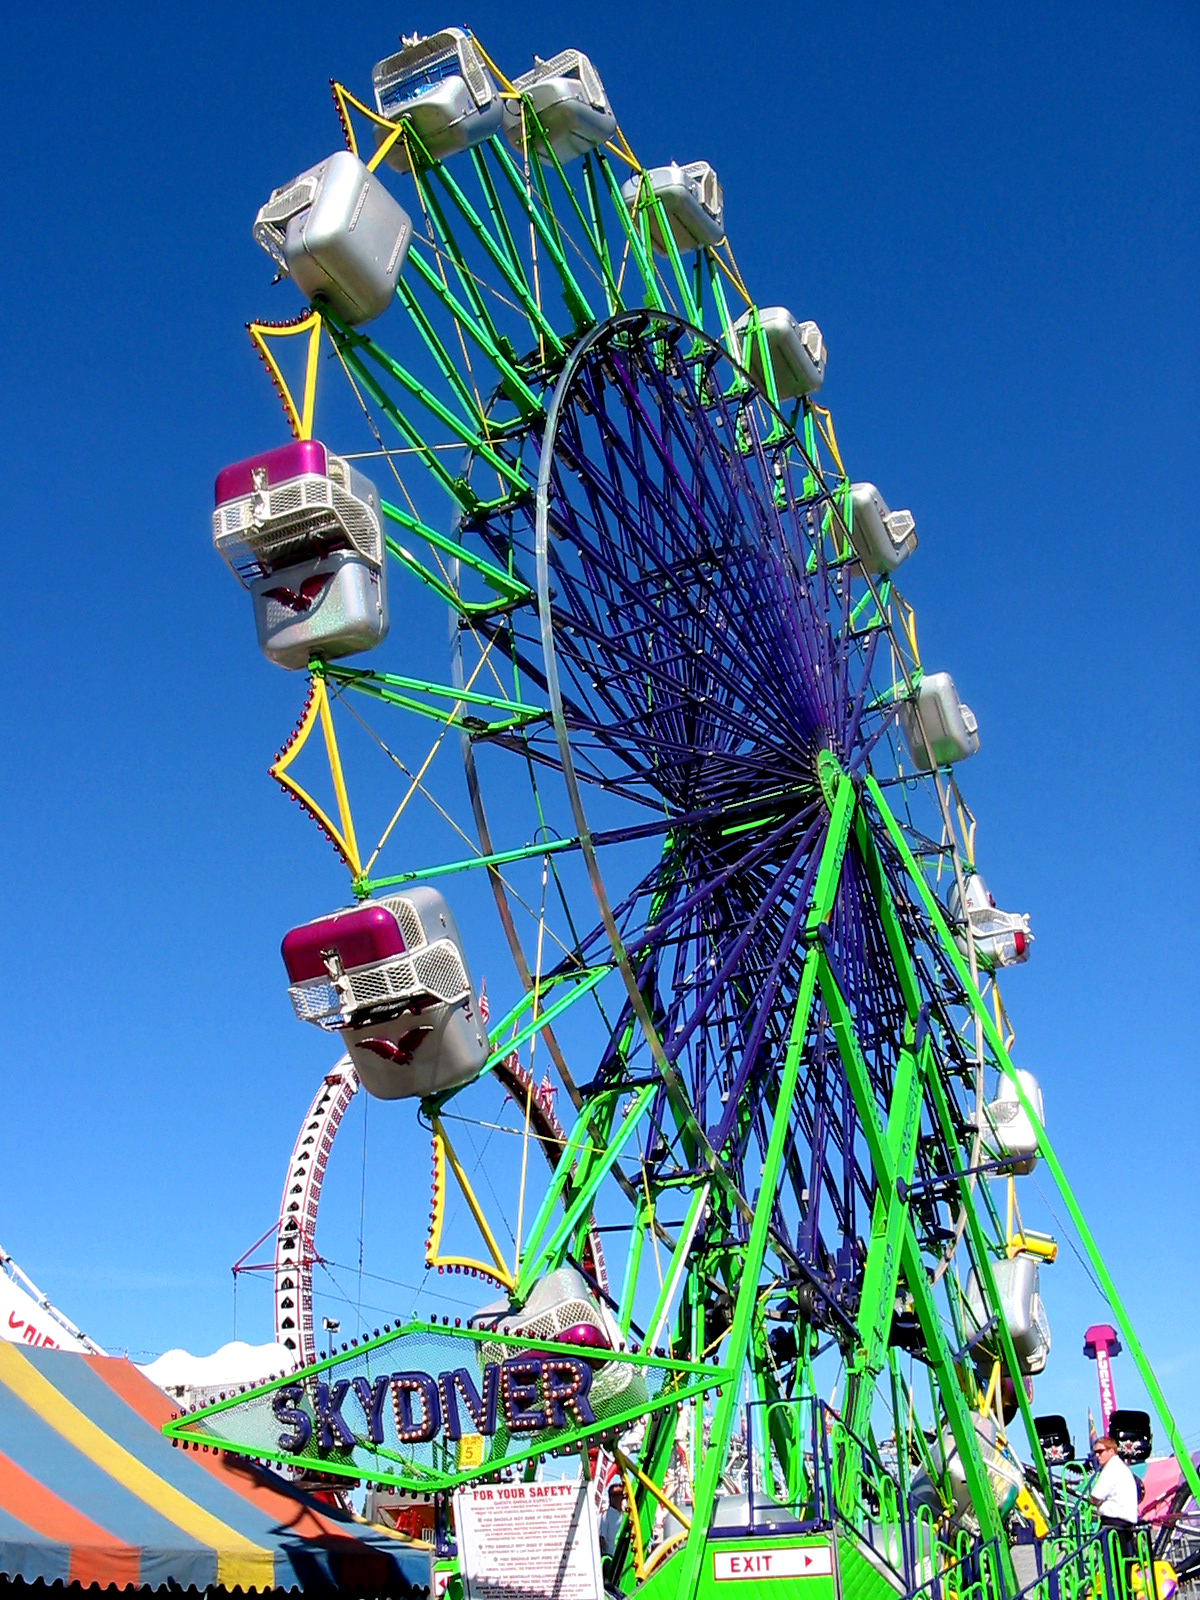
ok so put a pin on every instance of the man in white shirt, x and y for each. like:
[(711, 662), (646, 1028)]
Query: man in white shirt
[(1114, 1494), (610, 1522)]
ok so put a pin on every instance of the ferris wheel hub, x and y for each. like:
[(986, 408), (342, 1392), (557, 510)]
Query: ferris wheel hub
[(829, 775)]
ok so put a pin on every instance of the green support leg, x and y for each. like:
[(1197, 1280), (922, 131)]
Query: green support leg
[(957, 1411), (888, 1217), (1045, 1149), (833, 852), (902, 963)]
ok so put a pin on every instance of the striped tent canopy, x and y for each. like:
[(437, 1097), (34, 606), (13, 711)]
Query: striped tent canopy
[(91, 1493)]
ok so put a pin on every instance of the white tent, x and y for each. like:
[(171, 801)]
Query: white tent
[(198, 1379)]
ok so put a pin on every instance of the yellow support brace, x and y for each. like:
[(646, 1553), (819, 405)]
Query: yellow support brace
[(825, 427), (300, 417), (505, 83), (344, 100), (443, 1152), (318, 709)]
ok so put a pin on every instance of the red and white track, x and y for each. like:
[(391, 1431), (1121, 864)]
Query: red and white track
[(295, 1238)]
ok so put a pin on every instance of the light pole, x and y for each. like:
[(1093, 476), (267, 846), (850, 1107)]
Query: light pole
[(330, 1326)]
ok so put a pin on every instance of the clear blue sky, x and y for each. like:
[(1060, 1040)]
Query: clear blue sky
[(991, 212)]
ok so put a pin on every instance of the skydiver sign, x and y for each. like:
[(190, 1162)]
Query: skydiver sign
[(424, 1407), (529, 1392)]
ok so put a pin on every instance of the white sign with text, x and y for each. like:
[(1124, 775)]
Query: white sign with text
[(528, 1541)]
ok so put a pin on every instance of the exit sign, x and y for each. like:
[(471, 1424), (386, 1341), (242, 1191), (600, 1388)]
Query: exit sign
[(795, 1561)]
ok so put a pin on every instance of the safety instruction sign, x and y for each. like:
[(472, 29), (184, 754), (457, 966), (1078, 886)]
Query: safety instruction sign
[(528, 1541)]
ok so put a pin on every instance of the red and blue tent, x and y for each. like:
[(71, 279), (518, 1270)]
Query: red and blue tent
[(92, 1493)]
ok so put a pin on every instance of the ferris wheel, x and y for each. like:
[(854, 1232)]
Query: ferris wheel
[(683, 758)]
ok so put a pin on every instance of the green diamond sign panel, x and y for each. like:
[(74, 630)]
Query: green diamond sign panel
[(429, 1407)]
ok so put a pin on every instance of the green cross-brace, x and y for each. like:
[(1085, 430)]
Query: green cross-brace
[(576, 301), (509, 588), (544, 1251), (503, 254), (355, 346), (514, 385), (633, 234)]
